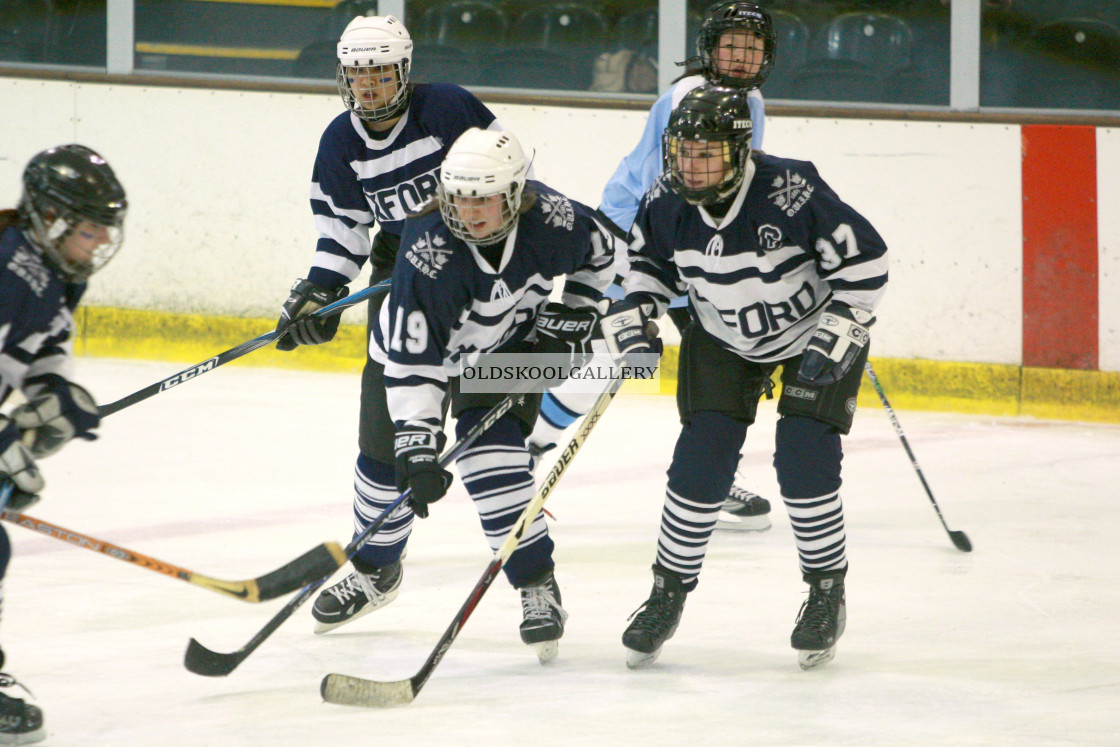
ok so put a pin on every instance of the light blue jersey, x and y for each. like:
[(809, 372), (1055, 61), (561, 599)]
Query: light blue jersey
[(638, 170)]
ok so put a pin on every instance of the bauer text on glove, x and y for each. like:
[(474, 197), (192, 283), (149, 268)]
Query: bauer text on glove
[(561, 329)]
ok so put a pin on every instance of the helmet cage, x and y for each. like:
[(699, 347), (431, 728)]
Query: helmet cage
[(370, 47), (451, 202), (736, 16), (480, 164), (62, 188), (711, 116)]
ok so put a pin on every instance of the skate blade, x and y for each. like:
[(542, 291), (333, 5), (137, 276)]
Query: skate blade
[(730, 521), (325, 627), (639, 659), (547, 650), (809, 660)]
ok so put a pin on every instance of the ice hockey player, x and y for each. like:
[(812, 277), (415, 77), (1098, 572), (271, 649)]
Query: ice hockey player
[(783, 273), (473, 278), (736, 47), (68, 224)]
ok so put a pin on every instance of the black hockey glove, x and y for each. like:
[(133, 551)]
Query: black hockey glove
[(62, 411), (561, 329), (840, 337), (18, 466), (296, 318), (418, 467), (628, 331)]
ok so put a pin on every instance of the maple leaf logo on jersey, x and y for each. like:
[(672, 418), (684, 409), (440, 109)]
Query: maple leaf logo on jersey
[(557, 211), (427, 255), (791, 192)]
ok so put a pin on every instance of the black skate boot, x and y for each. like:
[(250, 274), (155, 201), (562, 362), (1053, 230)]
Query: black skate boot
[(360, 593), (656, 620), (20, 722), (543, 622), (744, 511), (821, 620)]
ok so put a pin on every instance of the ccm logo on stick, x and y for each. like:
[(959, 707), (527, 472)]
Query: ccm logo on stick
[(189, 374)]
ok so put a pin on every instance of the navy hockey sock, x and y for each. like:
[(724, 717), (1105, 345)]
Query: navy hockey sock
[(702, 471), (374, 489), (495, 471), (807, 458)]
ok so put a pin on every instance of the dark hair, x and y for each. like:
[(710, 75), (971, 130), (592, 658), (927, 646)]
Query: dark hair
[(10, 217)]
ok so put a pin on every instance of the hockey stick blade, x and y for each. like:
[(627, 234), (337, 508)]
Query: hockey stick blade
[(315, 563), (207, 663), (960, 541), (343, 689), (289, 577)]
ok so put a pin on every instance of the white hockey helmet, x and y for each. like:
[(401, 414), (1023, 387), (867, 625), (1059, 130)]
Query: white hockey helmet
[(482, 163), (368, 45)]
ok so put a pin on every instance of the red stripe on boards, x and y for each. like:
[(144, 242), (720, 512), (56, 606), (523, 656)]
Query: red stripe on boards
[(1060, 327)]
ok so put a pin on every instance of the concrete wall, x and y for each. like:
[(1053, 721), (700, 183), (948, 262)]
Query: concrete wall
[(219, 222)]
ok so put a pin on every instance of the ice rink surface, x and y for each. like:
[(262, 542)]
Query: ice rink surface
[(242, 470)]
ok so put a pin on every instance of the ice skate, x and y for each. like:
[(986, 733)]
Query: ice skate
[(543, 617), (358, 594), (744, 511), (820, 623), (20, 722), (656, 620)]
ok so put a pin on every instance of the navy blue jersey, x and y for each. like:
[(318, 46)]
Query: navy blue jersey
[(759, 278), (449, 304), (360, 180), (36, 316)]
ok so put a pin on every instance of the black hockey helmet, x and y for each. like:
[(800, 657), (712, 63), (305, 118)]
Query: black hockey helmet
[(738, 16), (62, 187), (719, 117)]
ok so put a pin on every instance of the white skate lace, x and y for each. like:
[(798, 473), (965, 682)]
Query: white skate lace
[(741, 495), (538, 603), (352, 586)]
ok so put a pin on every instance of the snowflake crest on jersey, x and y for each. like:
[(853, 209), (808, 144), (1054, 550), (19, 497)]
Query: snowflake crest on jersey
[(791, 192), (428, 254), (557, 210), (28, 265), (659, 187)]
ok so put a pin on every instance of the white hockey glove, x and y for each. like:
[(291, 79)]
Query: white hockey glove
[(62, 412), (628, 331), (296, 316), (18, 466), (840, 337)]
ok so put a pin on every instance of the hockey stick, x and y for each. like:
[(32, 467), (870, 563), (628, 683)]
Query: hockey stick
[(207, 663), (232, 354), (312, 564), (354, 691), (959, 539)]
